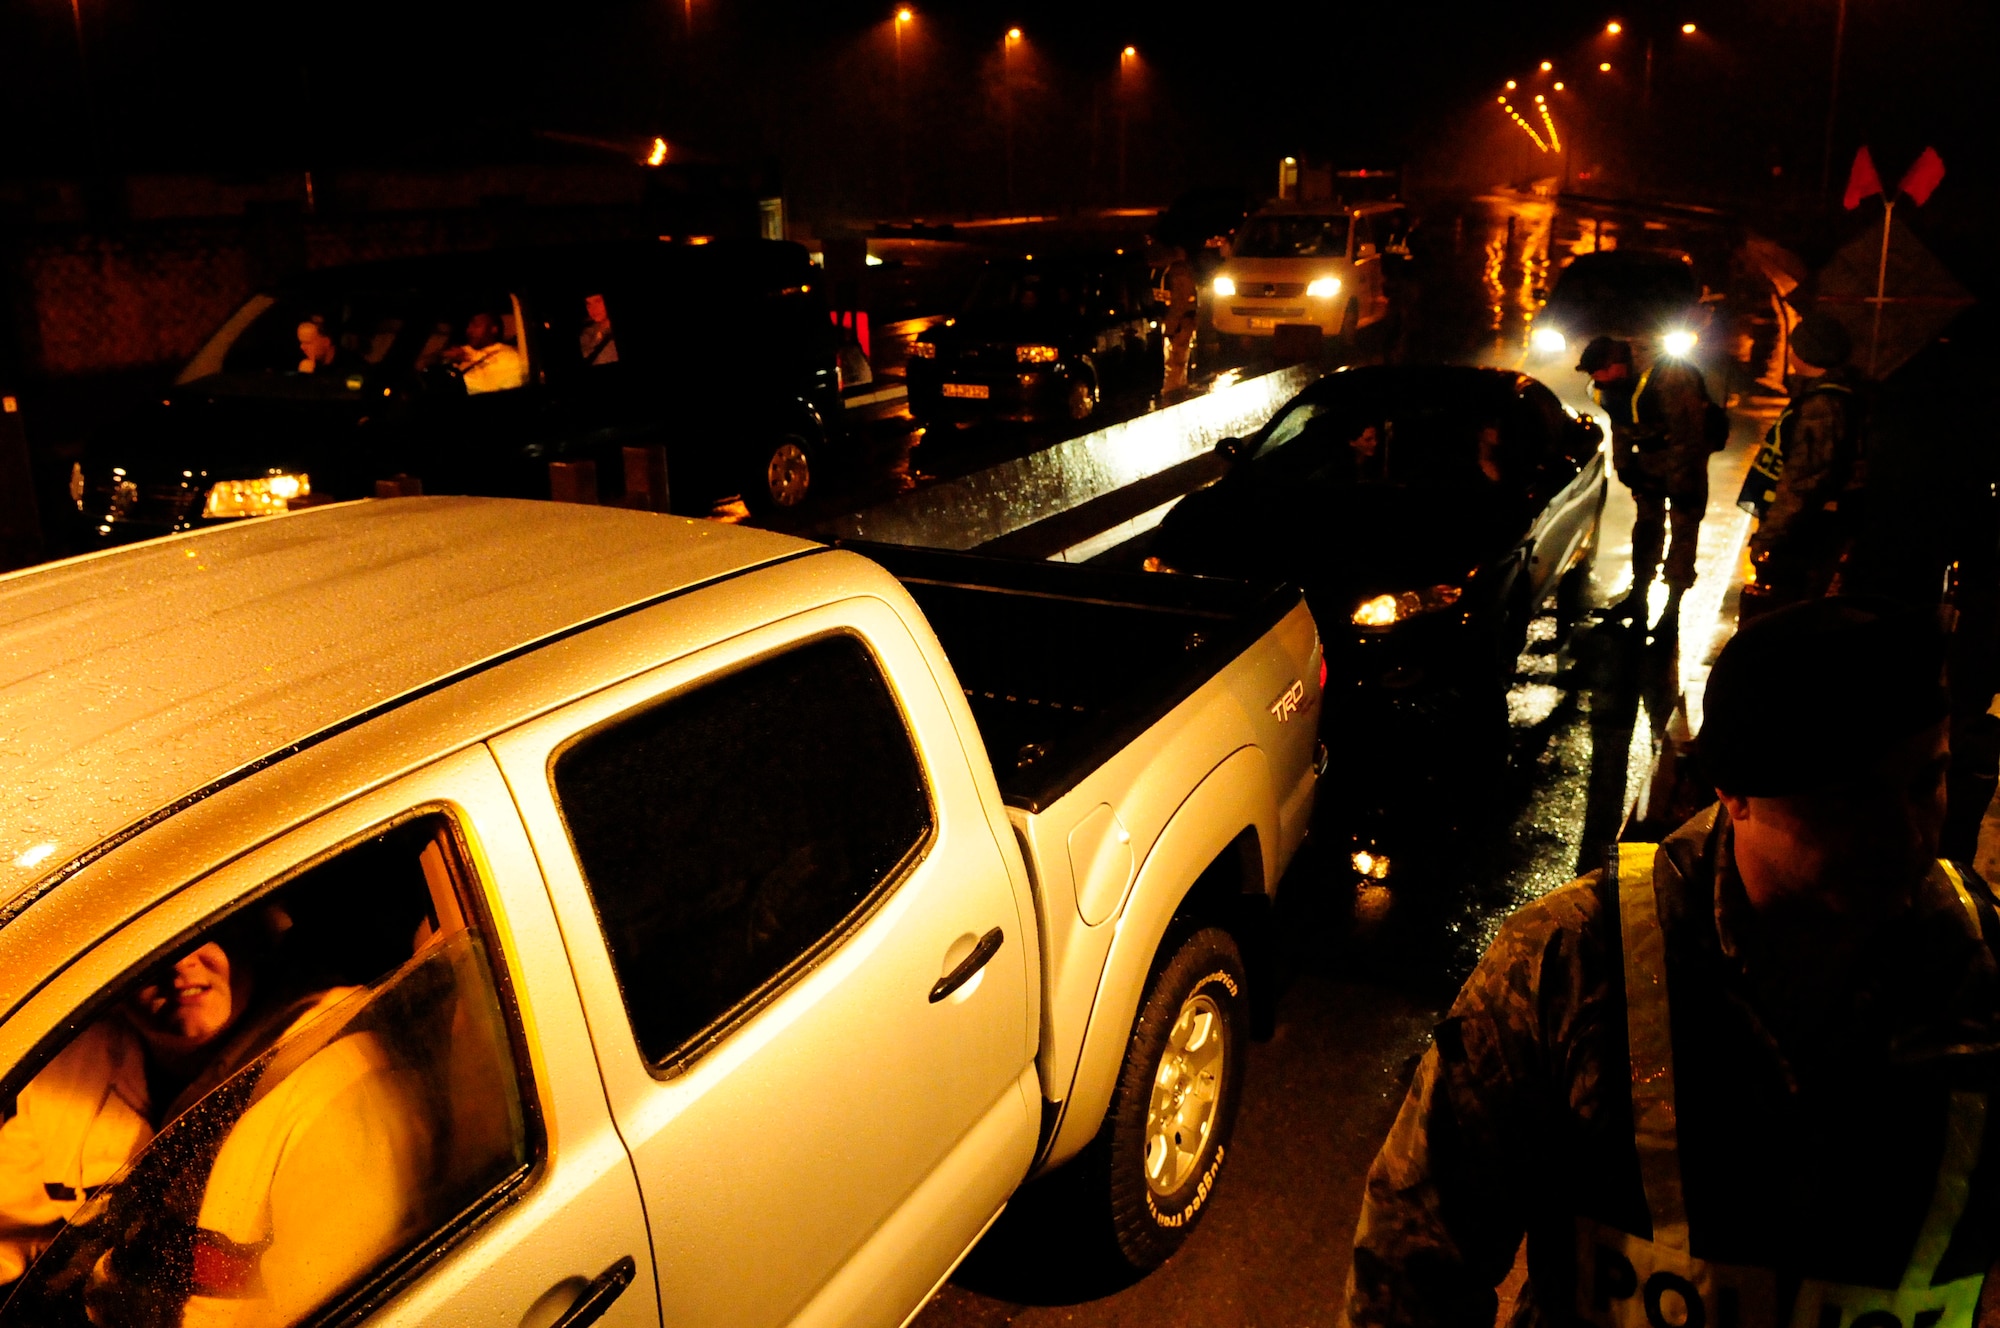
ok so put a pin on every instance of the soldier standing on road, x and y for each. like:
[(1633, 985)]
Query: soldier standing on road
[(1177, 292), (1814, 497), (1741, 1078), (1660, 445)]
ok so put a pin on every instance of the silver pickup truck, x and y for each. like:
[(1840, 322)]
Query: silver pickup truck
[(454, 911)]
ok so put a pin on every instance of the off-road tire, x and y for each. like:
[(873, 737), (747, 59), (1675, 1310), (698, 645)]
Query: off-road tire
[(1204, 973), (782, 477)]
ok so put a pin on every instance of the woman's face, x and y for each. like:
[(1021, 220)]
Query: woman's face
[(192, 1004), (1365, 443)]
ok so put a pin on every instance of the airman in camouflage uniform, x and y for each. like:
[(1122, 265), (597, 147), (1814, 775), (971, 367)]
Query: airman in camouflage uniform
[(1800, 1140)]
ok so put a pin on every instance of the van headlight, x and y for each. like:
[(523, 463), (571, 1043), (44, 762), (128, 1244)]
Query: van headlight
[(1225, 286), (266, 495), (1035, 354), (1678, 343), (1548, 341), (1388, 610), (1324, 288)]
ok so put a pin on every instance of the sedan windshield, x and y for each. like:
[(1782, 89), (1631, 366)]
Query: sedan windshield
[(1027, 289), (1292, 237), (1605, 281)]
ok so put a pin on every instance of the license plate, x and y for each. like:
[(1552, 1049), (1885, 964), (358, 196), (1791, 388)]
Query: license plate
[(1263, 322), (973, 391)]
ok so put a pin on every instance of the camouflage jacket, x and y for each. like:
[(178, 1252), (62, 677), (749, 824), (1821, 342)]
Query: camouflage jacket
[(1811, 1124), (1821, 458), (1657, 438)]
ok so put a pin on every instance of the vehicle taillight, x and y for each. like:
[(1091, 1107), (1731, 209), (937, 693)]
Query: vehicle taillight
[(1322, 673)]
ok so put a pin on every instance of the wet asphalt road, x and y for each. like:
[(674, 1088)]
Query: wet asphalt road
[(1369, 967)]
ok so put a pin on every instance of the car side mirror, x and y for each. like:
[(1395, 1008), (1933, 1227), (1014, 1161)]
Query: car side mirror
[(1232, 449), (1585, 441)]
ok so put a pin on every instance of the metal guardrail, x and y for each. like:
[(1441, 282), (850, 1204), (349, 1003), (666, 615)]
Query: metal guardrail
[(981, 507)]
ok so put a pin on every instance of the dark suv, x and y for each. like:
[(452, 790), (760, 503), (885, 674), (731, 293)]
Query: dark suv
[(1041, 339), (471, 374)]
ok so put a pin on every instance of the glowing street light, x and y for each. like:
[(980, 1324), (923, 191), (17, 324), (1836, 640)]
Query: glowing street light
[(1604, 68), (1614, 27), (904, 16), (1687, 29), (1546, 66), (1511, 85), (1013, 34), (1559, 86), (1126, 59)]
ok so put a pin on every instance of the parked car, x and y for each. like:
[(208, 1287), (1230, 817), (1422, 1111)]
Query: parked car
[(629, 920), (1317, 264), (721, 353), (1042, 339), (1643, 295), (1429, 512)]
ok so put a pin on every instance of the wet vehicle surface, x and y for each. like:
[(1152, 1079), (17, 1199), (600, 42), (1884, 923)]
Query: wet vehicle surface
[(1041, 340), (1429, 512)]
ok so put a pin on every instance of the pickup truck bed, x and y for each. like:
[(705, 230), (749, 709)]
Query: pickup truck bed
[(1065, 665)]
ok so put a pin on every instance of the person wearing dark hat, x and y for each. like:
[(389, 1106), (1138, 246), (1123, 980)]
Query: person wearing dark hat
[(1659, 450), (1741, 1078), (1807, 483)]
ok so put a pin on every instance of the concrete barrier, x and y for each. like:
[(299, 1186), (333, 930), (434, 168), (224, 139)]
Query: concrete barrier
[(985, 505)]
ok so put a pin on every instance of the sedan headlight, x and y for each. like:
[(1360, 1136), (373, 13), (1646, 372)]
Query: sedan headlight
[(1548, 341), (267, 495), (1035, 354), (1388, 610), (1225, 286), (923, 350), (1678, 343), (1324, 288)]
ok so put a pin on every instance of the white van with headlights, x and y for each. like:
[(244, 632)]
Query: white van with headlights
[(1317, 264)]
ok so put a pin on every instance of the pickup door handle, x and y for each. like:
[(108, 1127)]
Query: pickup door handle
[(989, 945), (597, 1297)]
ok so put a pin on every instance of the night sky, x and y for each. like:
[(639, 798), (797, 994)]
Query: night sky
[(1217, 94)]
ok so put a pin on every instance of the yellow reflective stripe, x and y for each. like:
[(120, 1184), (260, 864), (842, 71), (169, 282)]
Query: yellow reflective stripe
[(1640, 391), (1964, 897), (1649, 1036), (1964, 1134)]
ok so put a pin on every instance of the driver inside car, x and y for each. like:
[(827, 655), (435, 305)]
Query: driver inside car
[(190, 1025), (486, 361)]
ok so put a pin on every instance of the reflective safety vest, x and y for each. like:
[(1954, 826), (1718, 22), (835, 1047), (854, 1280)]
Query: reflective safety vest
[(1624, 1281), (1760, 485)]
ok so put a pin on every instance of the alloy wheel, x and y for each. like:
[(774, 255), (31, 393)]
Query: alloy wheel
[(1186, 1088), (788, 474)]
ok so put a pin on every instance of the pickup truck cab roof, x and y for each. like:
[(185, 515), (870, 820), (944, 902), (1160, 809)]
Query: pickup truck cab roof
[(137, 678)]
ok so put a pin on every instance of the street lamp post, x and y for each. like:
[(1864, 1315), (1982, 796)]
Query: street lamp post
[(903, 18), (1126, 58), (1007, 106), (1832, 98)]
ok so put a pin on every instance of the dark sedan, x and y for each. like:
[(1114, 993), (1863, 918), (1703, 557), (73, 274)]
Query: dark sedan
[(1428, 511), (1042, 339), (1643, 295)]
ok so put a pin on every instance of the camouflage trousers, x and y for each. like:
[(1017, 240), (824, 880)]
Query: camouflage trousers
[(1656, 511)]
